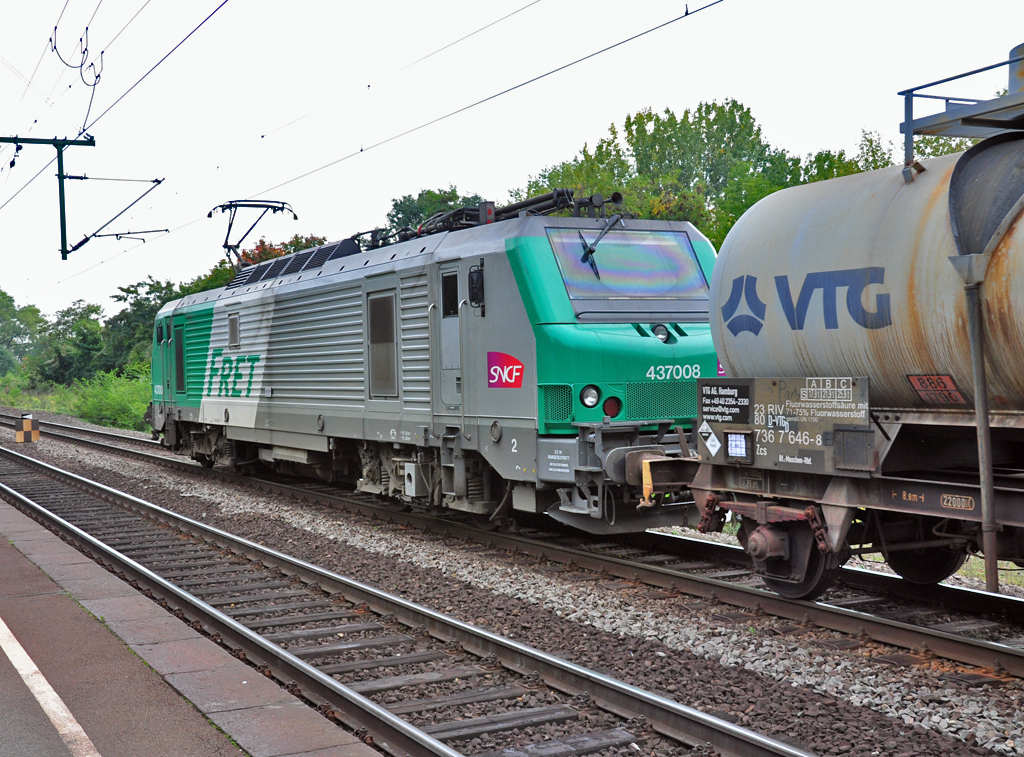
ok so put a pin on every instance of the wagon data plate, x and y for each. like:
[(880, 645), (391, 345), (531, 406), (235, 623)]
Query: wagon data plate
[(807, 424)]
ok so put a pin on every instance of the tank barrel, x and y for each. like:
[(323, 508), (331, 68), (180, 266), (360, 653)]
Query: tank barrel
[(1016, 83)]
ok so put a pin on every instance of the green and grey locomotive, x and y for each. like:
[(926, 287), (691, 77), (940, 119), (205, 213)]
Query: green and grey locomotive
[(495, 361)]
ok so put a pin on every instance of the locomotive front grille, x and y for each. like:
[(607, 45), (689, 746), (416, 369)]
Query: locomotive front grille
[(648, 400), (557, 402)]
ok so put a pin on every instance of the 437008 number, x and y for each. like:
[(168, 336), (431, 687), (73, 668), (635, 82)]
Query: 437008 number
[(667, 372)]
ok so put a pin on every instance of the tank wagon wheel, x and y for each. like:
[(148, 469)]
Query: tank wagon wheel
[(928, 565), (806, 574)]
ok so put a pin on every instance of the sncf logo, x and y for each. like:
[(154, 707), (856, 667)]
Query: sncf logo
[(503, 371), (855, 281)]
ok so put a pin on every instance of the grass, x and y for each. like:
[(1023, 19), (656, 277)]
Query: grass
[(107, 399)]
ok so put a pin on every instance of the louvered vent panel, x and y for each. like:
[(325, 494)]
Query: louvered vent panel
[(345, 248), (316, 348), (241, 277), (318, 258), (557, 402), (415, 331), (296, 262), (258, 273), (663, 400)]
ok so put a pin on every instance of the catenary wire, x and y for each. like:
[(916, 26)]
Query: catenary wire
[(463, 109), (168, 55), (460, 39), (101, 115), (410, 131)]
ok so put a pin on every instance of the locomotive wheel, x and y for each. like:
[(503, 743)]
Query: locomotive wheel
[(927, 566), (205, 460)]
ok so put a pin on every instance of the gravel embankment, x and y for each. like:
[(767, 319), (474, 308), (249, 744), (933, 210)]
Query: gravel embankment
[(827, 701)]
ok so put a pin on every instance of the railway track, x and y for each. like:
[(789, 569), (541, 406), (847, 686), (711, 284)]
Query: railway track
[(361, 656), (968, 627)]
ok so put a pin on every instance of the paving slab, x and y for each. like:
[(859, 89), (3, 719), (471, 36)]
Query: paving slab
[(101, 587), (185, 656), (151, 631), (276, 731), (137, 607), (228, 688)]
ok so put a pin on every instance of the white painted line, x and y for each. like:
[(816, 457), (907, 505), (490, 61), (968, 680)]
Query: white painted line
[(58, 713)]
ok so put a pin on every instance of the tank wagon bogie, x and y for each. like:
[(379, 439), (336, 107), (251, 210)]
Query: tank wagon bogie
[(490, 369)]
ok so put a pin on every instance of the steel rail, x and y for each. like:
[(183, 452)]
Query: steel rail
[(91, 431), (669, 718), (983, 654), (390, 732)]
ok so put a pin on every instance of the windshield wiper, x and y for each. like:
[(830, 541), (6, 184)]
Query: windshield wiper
[(590, 249)]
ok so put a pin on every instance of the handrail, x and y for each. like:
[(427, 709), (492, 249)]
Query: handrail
[(462, 370)]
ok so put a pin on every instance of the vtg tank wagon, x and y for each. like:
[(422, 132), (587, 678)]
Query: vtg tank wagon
[(872, 328), (503, 364)]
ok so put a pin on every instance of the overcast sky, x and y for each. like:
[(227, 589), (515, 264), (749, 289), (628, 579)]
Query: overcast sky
[(264, 92)]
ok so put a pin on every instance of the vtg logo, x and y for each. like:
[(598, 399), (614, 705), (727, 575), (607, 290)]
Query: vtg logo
[(854, 280), (504, 371), (744, 287)]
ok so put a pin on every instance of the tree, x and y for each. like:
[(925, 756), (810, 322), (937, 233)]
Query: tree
[(873, 153), (70, 346), (128, 334), (706, 166), (826, 164), (18, 327), (409, 211)]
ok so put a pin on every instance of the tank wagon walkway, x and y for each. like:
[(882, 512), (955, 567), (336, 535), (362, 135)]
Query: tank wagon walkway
[(98, 696)]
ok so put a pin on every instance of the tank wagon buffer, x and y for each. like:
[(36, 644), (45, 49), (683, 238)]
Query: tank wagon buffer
[(495, 361), (860, 320)]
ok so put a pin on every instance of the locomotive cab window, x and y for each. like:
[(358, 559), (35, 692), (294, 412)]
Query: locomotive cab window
[(233, 340), (450, 295), (383, 346), (159, 333), (179, 359), (627, 270)]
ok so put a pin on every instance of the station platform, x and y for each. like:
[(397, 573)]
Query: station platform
[(91, 668)]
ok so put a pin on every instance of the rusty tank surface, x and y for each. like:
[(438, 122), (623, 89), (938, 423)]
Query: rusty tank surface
[(852, 277)]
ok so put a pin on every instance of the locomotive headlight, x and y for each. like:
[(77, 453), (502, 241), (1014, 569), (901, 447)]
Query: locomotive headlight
[(661, 331), (590, 396)]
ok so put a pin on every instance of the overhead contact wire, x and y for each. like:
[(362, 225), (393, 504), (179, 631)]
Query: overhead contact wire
[(168, 55), (487, 99), (471, 34), (90, 125)]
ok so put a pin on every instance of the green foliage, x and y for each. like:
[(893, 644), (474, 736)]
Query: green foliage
[(826, 164), (69, 347), (706, 166), (874, 152), (19, 326), (107, 399), (409, 211), (926, 146), (8, 361), (114, 399)]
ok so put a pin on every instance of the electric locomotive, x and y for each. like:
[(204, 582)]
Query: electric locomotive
[(494, 361)]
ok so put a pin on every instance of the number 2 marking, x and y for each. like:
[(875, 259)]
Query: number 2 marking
[(515, 445)]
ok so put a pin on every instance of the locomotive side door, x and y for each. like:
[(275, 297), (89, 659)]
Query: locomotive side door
[(166, 353), (451, 358)]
